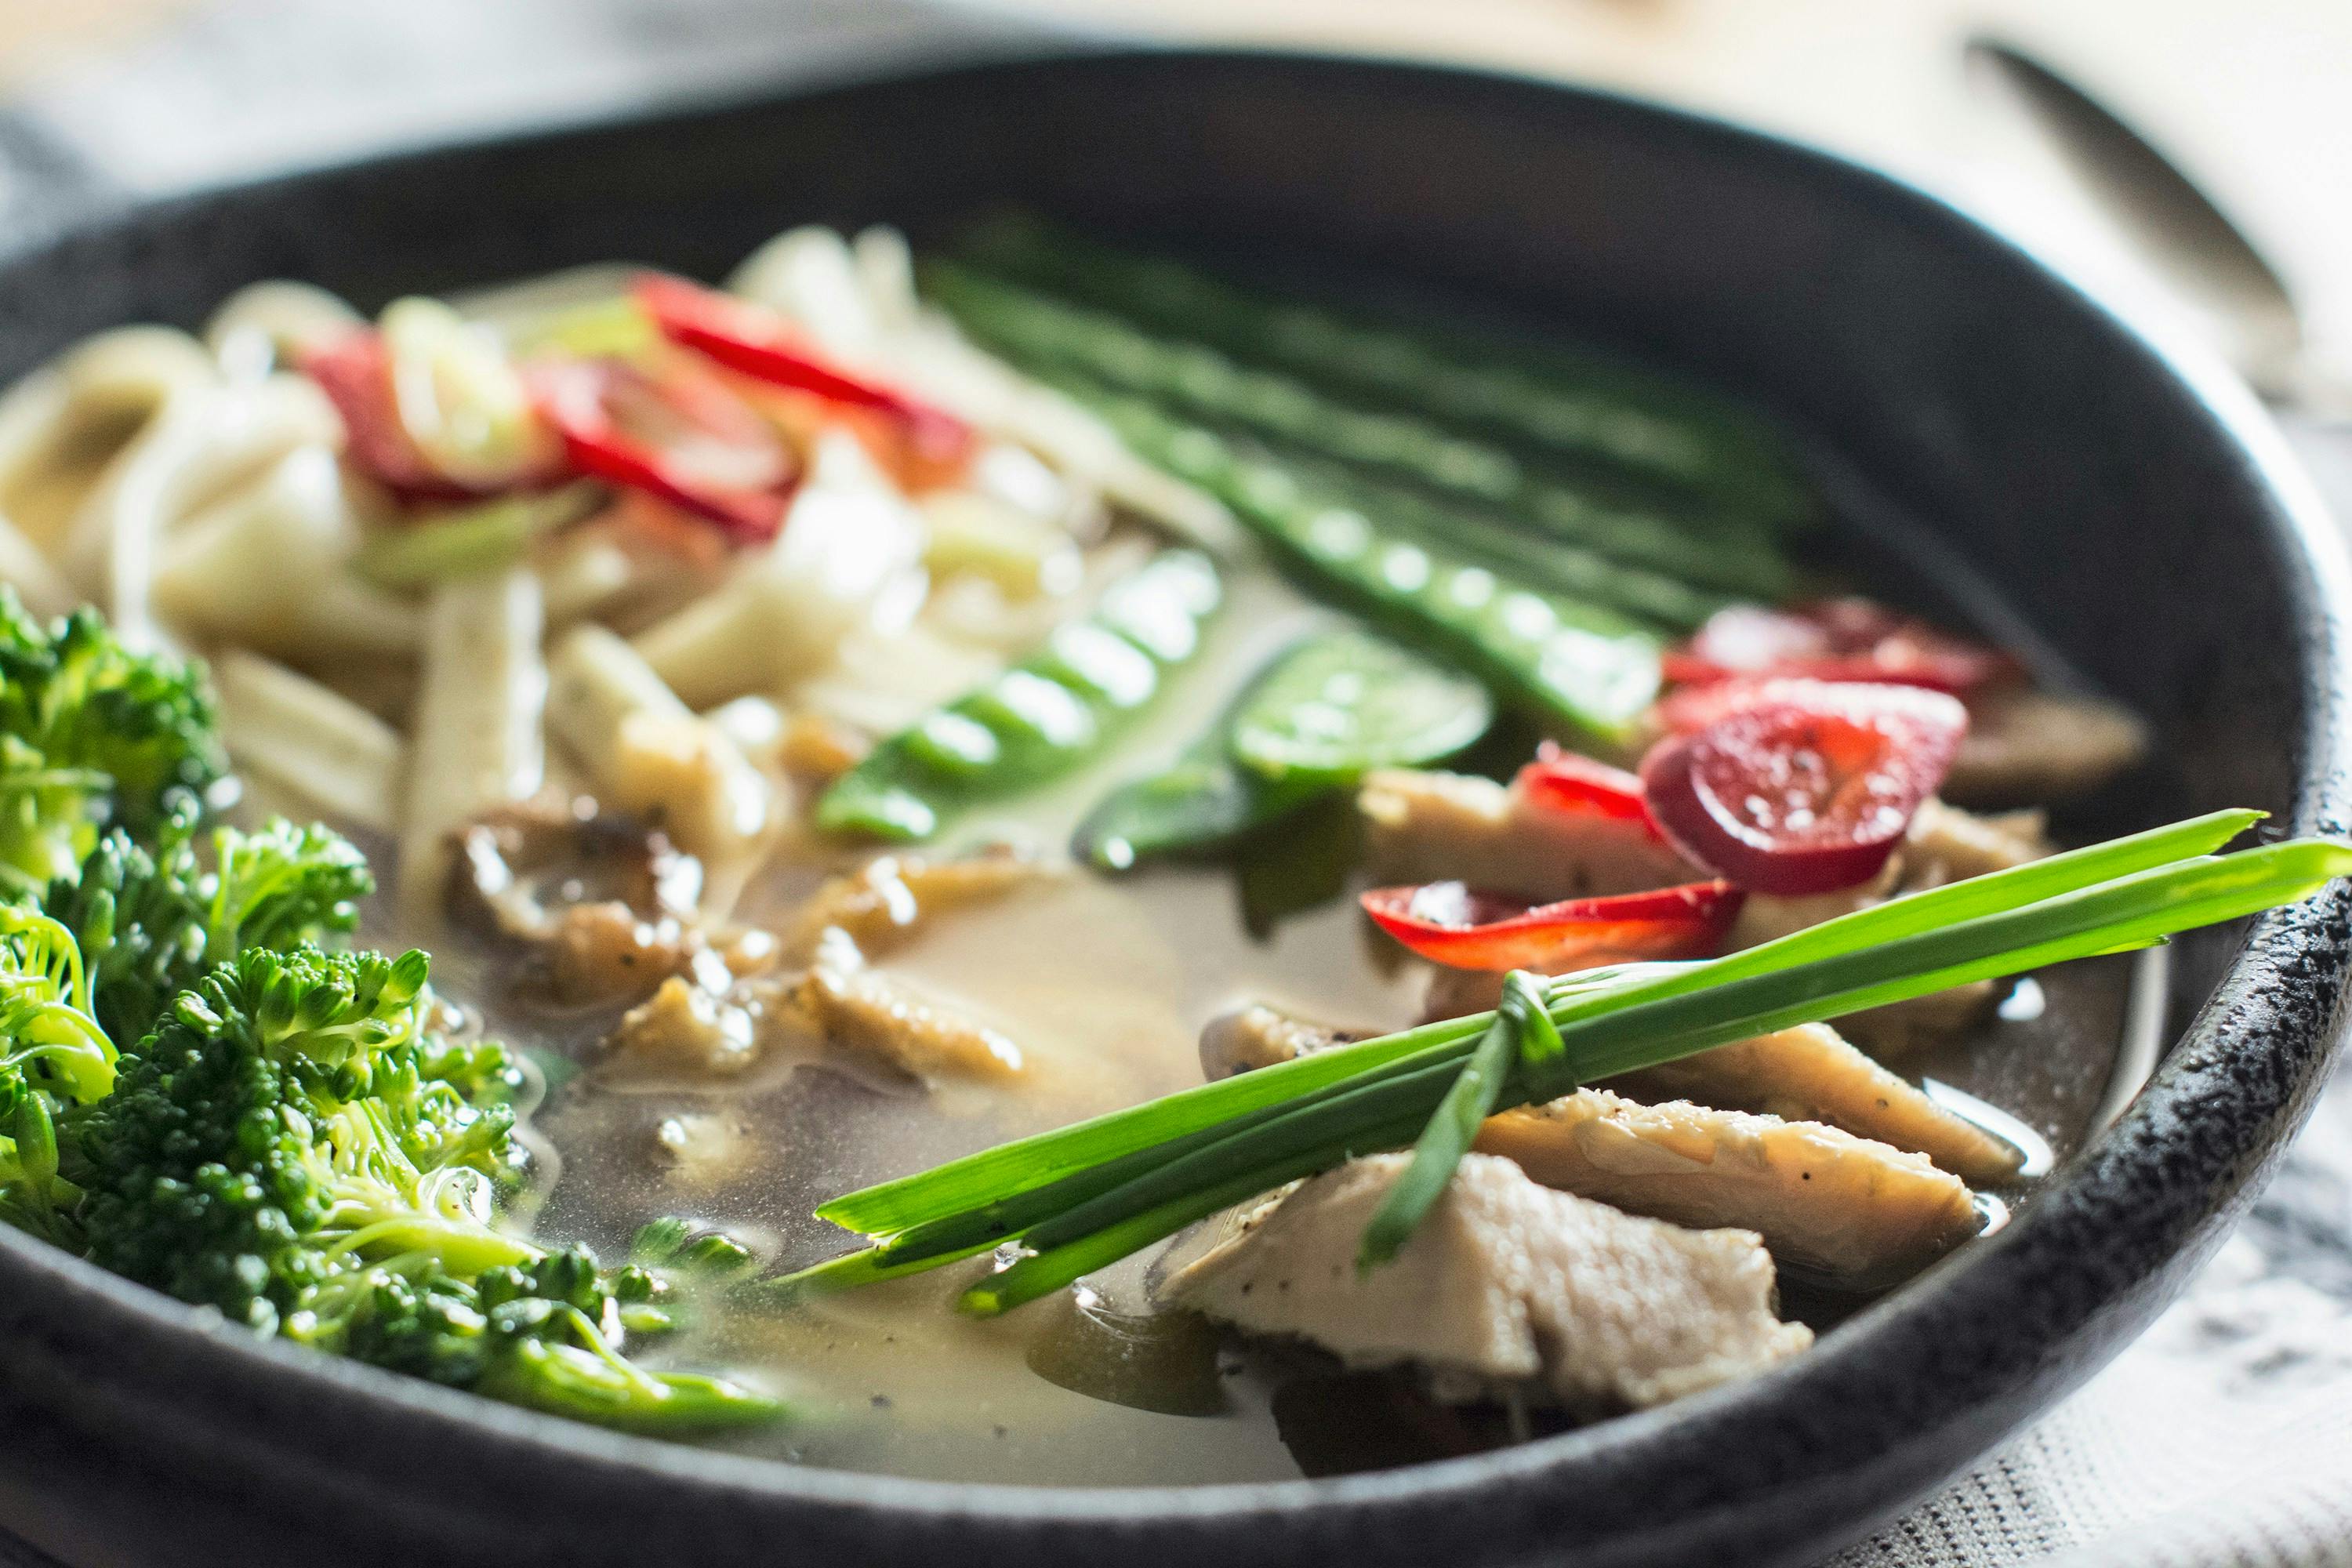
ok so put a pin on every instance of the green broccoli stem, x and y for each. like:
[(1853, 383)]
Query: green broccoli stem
[(589, 1380)]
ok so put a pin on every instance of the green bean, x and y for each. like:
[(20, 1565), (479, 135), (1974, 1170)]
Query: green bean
[(1039, 718), (1039, 332), (1569, 663), (1576, 404)]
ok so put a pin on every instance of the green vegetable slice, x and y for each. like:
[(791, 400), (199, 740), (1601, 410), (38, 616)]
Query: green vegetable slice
[(1323, 712), (1335, 706)]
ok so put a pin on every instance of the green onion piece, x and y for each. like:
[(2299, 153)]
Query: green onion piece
[(466, 540), (1476, 1092), (1053, 1267), (459, 399), (991, 1174), (1078, 1197), (614, 327)]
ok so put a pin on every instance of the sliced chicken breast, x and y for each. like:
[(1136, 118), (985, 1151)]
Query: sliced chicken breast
[(1795, 1134), (1505, 1285), (2027, 745), (1421, 826), (1843, 1209), (1811, 1073)]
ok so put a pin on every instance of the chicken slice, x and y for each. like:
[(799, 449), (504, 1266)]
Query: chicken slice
[(886, 903), (874, 1015), (1504, 1283), (1944, 843), (1843, 1209), (1261, 1037), (1421, 826), (1811, 1073), (2029, 746)]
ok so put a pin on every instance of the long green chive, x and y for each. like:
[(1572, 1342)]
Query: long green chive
[(1477, 1091), (994, 1175), (1084, 1197)]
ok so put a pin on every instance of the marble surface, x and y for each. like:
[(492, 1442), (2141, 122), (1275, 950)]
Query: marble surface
[(2237, 1394)]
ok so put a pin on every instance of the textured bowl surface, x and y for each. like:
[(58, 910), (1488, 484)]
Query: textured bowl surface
[(2137, 514)]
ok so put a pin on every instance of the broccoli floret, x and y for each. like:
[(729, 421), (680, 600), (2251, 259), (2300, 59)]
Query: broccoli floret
[(283, 887), (242, 1142), (541, 1335), (281, 1149), (152, 923), (138, 918), (53, 1055), (90, 733)]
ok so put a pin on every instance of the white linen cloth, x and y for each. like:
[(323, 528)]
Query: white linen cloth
[(2222, 1439)]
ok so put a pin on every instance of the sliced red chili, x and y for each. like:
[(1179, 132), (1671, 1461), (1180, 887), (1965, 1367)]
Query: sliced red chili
[(1462, 929), (762, 345), (677, 435), (355, 373), (1806, 788), (1847, 640), (1562, 780)]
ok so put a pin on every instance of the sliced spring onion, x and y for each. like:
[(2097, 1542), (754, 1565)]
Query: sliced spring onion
[(465, 540), (458, 398)]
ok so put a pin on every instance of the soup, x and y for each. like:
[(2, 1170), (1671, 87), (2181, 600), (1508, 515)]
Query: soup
[(828, 732)]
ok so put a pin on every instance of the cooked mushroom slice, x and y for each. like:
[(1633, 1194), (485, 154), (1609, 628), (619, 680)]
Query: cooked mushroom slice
[(1422, 827), (882, 906), (1260, 1037), (2027, 745), (1843, 1209), (1506, 1283), (1811, 1073), (605, 904)]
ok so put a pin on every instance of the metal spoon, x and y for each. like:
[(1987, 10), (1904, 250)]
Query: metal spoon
[(2187, 242)]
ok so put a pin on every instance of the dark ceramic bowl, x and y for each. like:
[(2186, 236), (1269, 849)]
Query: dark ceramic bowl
[(2133, 509)]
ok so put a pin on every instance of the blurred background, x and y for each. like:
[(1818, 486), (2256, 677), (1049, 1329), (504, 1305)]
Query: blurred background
[(2245, 98)]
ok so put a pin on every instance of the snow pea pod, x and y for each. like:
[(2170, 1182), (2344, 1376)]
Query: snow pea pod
[(1505, 546), (1323, 712), (1048, 335), (1581, 405), (1041, 717), (1573, 665)]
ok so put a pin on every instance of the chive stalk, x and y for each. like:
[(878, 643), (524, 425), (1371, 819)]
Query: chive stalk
[(1082, 1197)]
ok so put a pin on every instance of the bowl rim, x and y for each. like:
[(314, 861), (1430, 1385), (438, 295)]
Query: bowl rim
[(2313, 560)]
